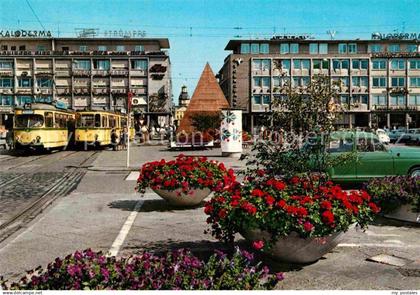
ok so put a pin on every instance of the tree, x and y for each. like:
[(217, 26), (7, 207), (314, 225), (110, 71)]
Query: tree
[(302, 121)]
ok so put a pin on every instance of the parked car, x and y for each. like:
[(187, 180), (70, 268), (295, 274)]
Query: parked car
[(407, 136), (383, 136), (396, 135), (415, 137), (374, 159)]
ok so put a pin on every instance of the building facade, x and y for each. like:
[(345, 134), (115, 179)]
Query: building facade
[(380, 77), (87, 73), (183, 102)]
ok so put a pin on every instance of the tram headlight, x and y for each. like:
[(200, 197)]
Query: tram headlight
[(38, 139)]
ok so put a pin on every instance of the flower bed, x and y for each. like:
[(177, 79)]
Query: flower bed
[(185, 174), (278, 207), (176, 270), (390, 193)]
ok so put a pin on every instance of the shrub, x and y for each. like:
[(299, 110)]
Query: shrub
[(185, 173), (281, 207), (179, 269), (392, 192)]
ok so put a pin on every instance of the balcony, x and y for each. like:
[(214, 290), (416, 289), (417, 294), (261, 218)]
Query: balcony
[(44, 71), (84, 90), (62, 73), (359, 107), (119, 72), (63, 90), (118, 90), (6, 72), (101, 90), (22, 90), (398, 90), (45, 91), (7, 90), (138, 90), (81, 73), (138, 73), (101, 73)]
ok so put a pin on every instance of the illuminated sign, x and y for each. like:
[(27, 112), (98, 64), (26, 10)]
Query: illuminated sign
[(396, 36), (124, 34), (25, 33)]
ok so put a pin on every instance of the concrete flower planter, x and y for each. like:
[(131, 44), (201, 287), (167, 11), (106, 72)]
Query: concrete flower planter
[(404, 213), (193, 199), (295, 249)]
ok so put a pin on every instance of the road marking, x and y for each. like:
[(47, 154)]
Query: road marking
[(382, 245), (372, 234), (132, 176), (119, 241)]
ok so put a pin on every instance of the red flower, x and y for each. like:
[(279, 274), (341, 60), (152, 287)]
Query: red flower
[(328, 217), (208, 209), (257, 193), (281, 203), (307, 226), (326, 205), (260, 172), (269, 200), (258, 245), (374, 208), (249, 208), (222, 213), (294, 180), (234, 203), (167, 183), (302, 212)]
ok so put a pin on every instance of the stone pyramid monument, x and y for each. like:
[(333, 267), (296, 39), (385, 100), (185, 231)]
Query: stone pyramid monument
[(208, 98)]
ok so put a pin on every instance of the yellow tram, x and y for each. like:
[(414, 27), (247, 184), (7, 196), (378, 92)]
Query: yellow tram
[(95, 127), (43, 126)]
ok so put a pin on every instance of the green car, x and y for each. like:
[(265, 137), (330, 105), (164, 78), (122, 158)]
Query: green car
[(374, 159)]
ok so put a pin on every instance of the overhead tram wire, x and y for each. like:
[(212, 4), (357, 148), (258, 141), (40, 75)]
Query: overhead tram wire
[(33, 11)]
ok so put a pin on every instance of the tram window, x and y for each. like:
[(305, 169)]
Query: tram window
[(104, 125), (124, 122), (28, 121), (97, 120), (60, 121), (112, 122), (85, 121), (49, 119)]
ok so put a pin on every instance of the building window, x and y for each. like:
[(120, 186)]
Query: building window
[(379, 100), (262, 82), (339, 64), (245, 48), (378, 64), (342, 48), (352, 48), (139, 48), (375, 48), (257, 99), (40, 48), (394, 48), (102, 48), (25, 82), (412, 48), (264, 48), (344, 99), (323, 48), (6, 82), (65, 48), (301, 81), (284, 48), (3, 47), (6, 65), (341, 81), (6, 100), (398, 100), (301, 64), (285, 64), (13, 48), (321, 64), (397, 64), (359, 81), (360, 99), (378, 82), (120, 48), (360, 64), (294, 48), (139, 64), (44, 82), (101, 64), (83, 48), (266, 99), (261, 64), (397, 81), (313, 48), (255, 48), (415, 82), (22, 47), (281, 81), (414, 99), (414, 64), (82, 64)]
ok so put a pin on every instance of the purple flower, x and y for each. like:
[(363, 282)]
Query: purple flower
[(249, 256), (105, 273), (279, 276)]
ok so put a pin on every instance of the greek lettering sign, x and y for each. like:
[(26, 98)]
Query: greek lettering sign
[(292, 37), (25, 33), (396, 36), (124, 34)]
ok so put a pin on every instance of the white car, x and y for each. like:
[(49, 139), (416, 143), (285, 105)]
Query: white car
[(383, 136)]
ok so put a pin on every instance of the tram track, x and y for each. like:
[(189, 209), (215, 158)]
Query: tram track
[(61, 188)]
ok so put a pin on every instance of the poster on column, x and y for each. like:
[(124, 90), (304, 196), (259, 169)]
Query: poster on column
[(231, 132)]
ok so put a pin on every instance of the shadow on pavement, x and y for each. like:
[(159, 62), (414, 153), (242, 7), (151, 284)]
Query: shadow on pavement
[(149, 206), (384, 221)]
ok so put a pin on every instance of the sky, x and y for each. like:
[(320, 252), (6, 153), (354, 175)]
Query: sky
[(198, 30)]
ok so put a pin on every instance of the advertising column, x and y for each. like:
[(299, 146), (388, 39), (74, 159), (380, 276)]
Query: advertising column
[(231, 133)]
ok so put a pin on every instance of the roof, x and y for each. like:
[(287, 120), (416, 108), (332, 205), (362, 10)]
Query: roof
[(233, 44), (163, 42)]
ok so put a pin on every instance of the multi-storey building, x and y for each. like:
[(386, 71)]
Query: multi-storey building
[(380, 78), (86, 73)]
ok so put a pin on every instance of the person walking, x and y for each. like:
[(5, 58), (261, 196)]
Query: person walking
[(114, 142)]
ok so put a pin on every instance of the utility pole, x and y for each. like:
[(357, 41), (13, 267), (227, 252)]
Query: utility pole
[(129, 99)]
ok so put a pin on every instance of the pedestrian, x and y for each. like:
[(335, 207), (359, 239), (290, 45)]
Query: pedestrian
[(114, 142), (124, 138), (3, 137)]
